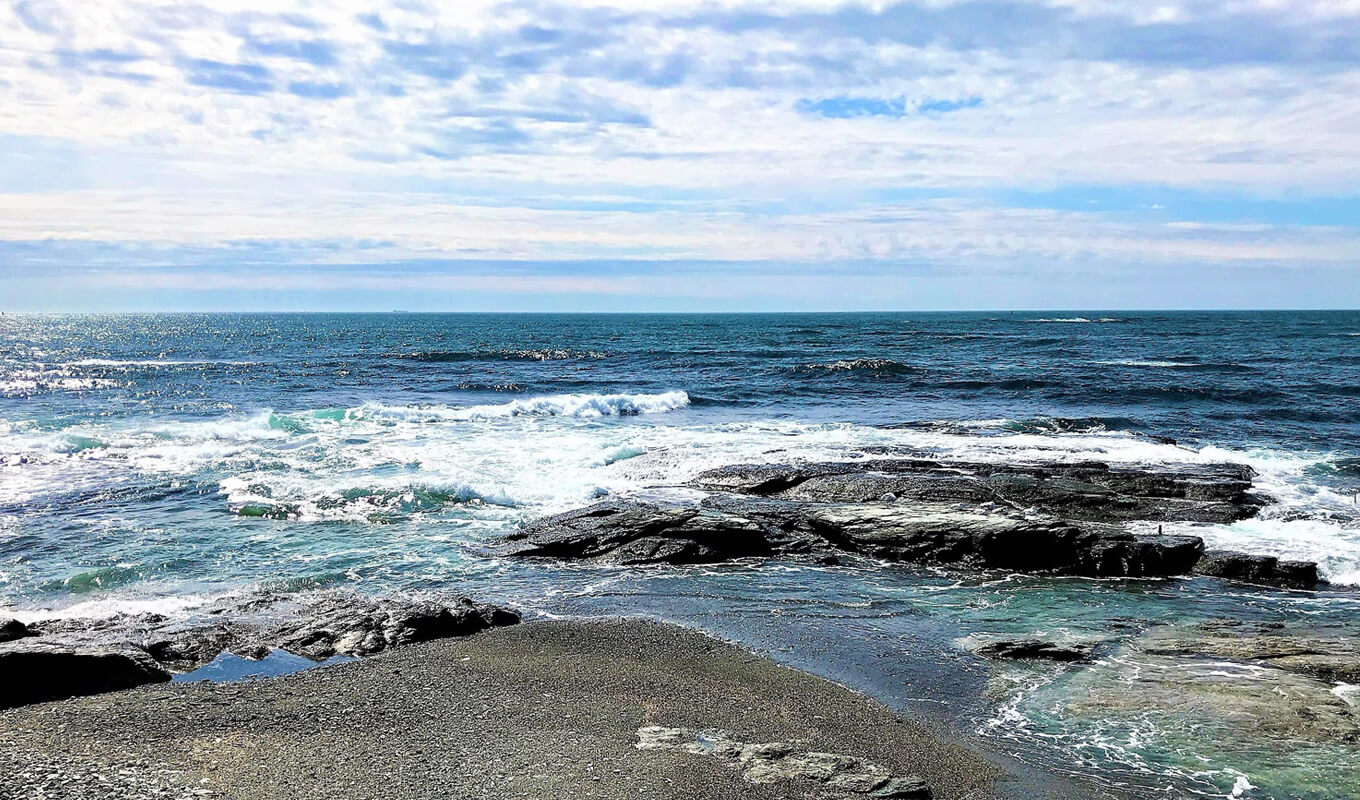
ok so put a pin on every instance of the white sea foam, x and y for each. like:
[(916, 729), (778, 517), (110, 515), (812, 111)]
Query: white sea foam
[(1073, 319), (152, 362), (498, 463), (556, 405), (116, 604), (1241, 786), (1151, 364)]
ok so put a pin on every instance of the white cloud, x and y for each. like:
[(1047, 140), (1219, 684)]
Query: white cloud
[(673, 130)]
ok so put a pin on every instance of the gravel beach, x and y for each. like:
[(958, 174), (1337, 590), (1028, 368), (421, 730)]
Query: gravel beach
[(544, 709)]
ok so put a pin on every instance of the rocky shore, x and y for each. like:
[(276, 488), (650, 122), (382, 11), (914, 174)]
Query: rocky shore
[(628, 709), (545, 709), (64, 658), (1063, 519)]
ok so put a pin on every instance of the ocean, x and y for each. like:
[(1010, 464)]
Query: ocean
[(153, 463)]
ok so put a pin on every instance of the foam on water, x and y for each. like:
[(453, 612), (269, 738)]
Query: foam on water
[(378, 462)]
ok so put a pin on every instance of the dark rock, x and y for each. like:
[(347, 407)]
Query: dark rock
[(1035, 649), (1090, 491), (11, 629), (357, 626), (1264, 570), (186, 650), (33, 670), (643, 533), (729, 527), (90, 656), (938, 533)]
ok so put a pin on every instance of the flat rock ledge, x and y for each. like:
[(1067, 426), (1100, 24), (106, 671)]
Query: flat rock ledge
[(1061, 519), (1264, 570), (1092, 491), (723, 529), (65, 658), (773, 762)]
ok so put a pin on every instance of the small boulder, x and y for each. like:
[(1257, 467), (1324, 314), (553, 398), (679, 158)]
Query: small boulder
[(11, 629), (33, 670)]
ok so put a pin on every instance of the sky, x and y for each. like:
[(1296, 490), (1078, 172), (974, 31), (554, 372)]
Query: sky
[(655, 155)]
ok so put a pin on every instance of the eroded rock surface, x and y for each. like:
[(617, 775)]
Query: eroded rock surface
[(1263, 570), (70, 657), (1050, 518), (730, 527), (1089, 491), (771, 762)]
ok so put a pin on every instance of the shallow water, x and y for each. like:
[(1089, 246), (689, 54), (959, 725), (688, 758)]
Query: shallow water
[(157, 462)]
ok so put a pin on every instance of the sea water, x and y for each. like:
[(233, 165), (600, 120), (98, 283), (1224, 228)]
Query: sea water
[(159, 462)]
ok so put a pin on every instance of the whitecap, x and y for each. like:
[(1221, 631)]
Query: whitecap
[(151, 362), (556, 405)]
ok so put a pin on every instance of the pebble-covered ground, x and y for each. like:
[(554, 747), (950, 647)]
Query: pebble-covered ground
[(545, 709)]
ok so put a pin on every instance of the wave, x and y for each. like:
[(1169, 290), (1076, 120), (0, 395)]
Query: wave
[(547, 354), (1070, 424), (372, 503), (555, 405), (1074, 319), (1185, 365), (24, 385), (872, 366), (154, 362)]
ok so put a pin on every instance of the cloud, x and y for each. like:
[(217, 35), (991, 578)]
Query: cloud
[(968, 135), (236, 78)]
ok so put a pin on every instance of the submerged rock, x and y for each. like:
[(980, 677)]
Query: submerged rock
[(1211, 681), (1036, 649), (33, 670), (773, 762), (1328, 654), (1264, 570)]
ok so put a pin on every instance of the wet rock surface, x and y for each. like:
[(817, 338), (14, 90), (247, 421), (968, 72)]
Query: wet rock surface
[(1327, 654), (774, 762), (722, 529), (72, 657), (1035, 649), (1224, 675), (1089, 491), (1258, 569), (1061, 519)]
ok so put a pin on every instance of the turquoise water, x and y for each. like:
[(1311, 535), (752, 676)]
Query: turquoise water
[(154, 463)]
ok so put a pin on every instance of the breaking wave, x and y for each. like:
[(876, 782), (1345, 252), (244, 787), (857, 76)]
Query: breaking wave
[(869, 366), (547, 354), (556, 405)]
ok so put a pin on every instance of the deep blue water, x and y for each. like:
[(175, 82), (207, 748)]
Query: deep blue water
[(155, 462)]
